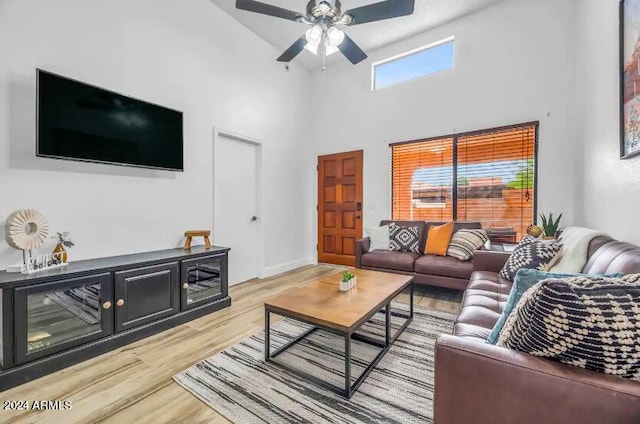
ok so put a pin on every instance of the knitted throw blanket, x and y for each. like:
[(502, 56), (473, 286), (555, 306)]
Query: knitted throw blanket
[(575, 248)]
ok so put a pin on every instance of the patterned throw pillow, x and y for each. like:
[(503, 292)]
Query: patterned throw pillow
[(465, 242), (525, 279), (530, 253), (588, 322), (404, 239)]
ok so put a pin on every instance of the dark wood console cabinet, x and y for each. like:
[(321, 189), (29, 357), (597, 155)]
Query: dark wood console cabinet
[(146, 294), (56, 318)]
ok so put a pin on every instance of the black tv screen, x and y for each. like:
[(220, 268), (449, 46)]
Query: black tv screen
[(78, 121)]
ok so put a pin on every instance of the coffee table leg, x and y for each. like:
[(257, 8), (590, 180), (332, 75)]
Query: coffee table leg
[(411, 301), (267, 336), (387, 327), (347, 366)]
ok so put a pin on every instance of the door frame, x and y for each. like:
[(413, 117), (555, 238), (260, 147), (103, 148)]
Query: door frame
[(219, 133), (317, 197)]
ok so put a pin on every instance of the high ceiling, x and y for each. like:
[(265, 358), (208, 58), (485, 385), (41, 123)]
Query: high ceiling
[(281, 33)]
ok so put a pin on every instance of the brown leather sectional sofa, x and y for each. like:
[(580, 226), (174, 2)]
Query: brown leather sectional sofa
[(476, 382), (443, 271)]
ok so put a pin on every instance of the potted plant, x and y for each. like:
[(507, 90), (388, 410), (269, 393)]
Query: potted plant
[(549, 226), (348, 281), (63, 240)]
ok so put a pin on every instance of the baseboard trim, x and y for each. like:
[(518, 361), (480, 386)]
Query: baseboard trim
[(270, 271)]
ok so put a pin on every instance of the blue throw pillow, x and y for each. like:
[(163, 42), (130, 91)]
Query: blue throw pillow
[(525, 279)]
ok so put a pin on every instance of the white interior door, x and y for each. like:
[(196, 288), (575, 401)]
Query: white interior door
[(236, 219)]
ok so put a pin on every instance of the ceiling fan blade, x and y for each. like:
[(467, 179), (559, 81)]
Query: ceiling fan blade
[(294, 50), (382, 10), (351, 50), (267, 9)]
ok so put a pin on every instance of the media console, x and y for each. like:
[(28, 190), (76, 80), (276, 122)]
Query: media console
[(57, 318)]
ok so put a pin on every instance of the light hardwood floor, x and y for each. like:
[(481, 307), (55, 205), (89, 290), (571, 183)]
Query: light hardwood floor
[(134, 384)]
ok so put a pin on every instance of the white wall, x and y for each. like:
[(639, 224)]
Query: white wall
[(187, 55), (611, 186), (513, 64)]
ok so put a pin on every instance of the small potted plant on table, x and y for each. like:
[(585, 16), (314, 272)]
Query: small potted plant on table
[(549, 226), (348, 281)]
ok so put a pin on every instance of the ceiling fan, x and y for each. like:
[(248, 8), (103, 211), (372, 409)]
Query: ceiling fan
[(324, 17)]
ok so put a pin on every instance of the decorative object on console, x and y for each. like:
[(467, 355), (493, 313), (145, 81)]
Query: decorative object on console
[(197, 233), (534, 231), (26, 229), (44, 262), (379, 237), (530, 253), (588, 322), (549, 226), (465, 242), (63, 240), (438, 238), (524, 280), (348, 281), (404, 239), (629, 57)]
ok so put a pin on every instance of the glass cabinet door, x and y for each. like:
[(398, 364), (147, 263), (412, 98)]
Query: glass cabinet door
[(203, 280), (57, 316)]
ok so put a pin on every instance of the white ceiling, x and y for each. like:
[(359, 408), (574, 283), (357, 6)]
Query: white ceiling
[(281, 33)]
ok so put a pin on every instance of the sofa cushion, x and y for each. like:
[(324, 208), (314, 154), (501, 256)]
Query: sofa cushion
[(465, 242), (401, 261), (422, 230), (613, 256), (525, 279), (444, 265), (379, 237), (531, 253), (482, 304), (404, 238), (589, 322), (438, 238)]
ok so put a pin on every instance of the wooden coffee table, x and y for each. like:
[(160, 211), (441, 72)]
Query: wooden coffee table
[(322, 305)]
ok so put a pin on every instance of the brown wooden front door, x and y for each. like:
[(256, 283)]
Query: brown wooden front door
[(339, 207)]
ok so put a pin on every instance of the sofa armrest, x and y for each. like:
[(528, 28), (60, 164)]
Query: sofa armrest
[(482, 383), (489, 260), (362, 246)]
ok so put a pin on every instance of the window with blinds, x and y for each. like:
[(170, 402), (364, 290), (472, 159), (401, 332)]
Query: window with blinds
[(486, 176)]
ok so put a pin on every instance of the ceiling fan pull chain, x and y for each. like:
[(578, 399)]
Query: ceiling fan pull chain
[(324, 57)]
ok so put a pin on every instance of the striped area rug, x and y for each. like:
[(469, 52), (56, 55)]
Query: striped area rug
[(238, 384)]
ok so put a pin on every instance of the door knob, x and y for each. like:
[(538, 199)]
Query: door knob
[(106, 305), (185, 285), (253, 218), (120, 302)]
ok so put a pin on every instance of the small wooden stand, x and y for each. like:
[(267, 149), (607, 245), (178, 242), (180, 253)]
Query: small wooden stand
[(190, 234)]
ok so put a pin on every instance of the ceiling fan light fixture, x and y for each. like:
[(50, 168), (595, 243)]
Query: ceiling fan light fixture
[(329, 49), (312, 48), (335, 36), (314, 35)]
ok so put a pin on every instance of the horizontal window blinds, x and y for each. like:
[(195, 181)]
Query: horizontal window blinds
[(496, 180), (485, 176), (421, 180)]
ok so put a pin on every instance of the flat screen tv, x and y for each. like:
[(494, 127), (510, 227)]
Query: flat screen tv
[(81, 122)]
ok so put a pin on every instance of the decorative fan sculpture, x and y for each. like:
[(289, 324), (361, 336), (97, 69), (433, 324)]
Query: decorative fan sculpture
[(26, 229), (324, 17)]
